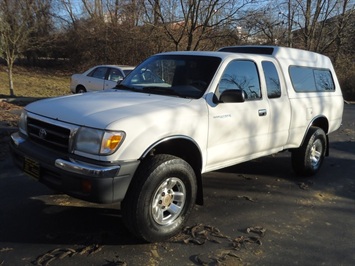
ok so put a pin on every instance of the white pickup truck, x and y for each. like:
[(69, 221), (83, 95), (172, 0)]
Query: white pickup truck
[(147, 142)]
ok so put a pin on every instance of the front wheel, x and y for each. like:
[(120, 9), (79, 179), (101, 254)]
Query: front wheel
[(307, 159), (160, 198), (80, 89)]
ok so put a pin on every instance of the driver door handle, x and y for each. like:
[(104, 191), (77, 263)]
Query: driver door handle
[(262, 112)]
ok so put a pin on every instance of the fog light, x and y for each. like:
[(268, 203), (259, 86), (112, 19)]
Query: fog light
[(86, 186)]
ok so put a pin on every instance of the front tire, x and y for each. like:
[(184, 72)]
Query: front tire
[(160, 198), (307, 159), (80, 89)]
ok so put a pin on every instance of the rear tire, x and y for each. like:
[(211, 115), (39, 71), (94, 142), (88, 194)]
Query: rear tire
[(307, 159), (160, 198)]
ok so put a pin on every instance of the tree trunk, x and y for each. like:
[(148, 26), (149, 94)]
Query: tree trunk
[(11, 83), (289, 24)]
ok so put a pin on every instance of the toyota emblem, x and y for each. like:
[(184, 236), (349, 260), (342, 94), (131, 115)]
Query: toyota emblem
[(42, 133)]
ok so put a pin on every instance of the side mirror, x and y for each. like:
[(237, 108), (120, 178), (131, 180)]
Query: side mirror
[(120, 78), (232, 96)]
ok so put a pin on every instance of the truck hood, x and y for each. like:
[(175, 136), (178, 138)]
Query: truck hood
[(99, 109)]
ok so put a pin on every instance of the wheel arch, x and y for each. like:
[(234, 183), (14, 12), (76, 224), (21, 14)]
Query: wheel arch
[(185, 148), (321, 122)]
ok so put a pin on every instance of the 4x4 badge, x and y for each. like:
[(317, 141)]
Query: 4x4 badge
[(42, 133)]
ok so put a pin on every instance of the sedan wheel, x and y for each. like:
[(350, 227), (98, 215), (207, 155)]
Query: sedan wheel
[(80, 89)]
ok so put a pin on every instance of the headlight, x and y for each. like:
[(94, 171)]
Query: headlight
[(22, 123), (95, 141)]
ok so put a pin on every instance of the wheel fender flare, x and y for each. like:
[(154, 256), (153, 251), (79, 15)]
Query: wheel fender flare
[(199, 196), (315, 123)]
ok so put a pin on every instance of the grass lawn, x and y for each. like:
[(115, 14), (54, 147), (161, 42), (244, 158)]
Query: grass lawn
[(34, 82)]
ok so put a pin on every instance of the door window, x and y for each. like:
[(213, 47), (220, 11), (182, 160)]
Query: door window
[(241, 75), (272, 80), (99, 73)]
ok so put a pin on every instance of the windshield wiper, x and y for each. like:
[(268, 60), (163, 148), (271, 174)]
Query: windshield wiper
[(127, 88), (162, 90)]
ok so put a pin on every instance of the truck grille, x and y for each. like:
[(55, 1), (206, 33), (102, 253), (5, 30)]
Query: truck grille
[(48, 135)]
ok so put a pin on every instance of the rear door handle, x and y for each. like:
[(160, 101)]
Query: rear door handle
[(262, 112)]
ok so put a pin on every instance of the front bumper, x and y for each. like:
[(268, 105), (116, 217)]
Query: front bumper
[(101, 182)]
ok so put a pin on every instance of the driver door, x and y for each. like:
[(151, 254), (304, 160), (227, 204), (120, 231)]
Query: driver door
[(238, 130)]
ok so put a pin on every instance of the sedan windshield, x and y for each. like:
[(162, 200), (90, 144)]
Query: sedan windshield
[(186, 76)]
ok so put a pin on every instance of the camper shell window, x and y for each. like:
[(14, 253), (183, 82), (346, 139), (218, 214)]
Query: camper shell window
[(308, 79)]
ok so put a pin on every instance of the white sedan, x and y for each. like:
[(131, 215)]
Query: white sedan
[(98, 78)]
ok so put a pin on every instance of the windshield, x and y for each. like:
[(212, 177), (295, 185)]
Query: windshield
[(185, 76)]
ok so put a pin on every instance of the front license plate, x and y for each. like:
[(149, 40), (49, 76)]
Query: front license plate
[(31, 167)]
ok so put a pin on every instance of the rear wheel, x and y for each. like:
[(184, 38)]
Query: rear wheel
[(307, 159), (160, 198)]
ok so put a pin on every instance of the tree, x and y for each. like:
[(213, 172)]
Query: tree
[(13, 34), (188, 23), (19, 21), (108, 31), (308, 22), (40, 31), (263, 26)]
